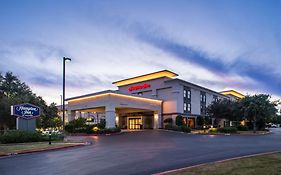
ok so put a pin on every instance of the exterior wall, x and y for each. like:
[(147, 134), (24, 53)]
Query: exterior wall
[(169, 103), (170, 91), (209, 99), (195, 101), (147, 92)]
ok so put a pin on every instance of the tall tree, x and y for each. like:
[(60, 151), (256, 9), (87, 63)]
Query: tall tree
[(224, 109), (13, 91), (258, 108)]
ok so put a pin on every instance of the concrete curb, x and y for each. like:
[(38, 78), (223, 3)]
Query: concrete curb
[(216, 134), (232, 134), (219, 161), (42, 150), (111, 134), (166, 130)]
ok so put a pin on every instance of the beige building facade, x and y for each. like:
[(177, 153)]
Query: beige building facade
[(144, 102)]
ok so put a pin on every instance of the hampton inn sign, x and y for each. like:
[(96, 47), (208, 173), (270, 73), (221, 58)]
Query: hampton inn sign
[(138, 87), (146, 101)]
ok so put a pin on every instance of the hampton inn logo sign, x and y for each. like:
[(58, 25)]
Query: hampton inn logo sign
[(134, 88), (26, 111)]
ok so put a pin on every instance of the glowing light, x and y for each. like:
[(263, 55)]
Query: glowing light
[(95, 129), (163, 73), (114, 94), (234, 93)]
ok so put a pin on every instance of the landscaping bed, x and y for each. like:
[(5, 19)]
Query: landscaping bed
[(17, 136), (79, 127)]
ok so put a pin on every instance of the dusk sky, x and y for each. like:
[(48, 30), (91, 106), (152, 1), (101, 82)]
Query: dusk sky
[(218, 44)]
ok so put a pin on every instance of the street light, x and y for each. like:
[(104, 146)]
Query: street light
[(63, 90)]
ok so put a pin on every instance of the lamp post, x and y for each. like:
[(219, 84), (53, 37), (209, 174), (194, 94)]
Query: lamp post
[(63, 90)]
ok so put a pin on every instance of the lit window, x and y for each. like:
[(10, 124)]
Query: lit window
[(189, 107), (188, 94), (204, 100), (184, 93), (184, 106), (201, 97)]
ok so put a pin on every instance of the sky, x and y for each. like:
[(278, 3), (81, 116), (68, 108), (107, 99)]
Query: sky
[(219, 44)]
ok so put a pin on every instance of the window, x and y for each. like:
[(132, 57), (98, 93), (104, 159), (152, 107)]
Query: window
[(184, 106), (140, 93), (188, 94), (188, 107), (184, 93), (203, 97)]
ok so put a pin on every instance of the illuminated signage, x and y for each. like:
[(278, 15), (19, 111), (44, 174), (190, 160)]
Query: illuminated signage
[(134, 88), (26, 111)]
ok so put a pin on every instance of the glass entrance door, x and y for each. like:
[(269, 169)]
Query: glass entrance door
[(135, 123)]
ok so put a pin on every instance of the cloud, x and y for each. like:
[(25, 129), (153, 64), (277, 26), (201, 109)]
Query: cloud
[(262, 76)]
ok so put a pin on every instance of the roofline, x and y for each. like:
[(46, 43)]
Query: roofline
[(88, 95), (111, 92), (177, 79), (165, 70), (233, 91)]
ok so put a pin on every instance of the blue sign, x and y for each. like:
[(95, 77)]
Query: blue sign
[(26, 111)]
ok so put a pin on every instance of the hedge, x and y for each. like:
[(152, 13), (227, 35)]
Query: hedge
[(227, 130), (17, 136), (182, 128), (242, 128)]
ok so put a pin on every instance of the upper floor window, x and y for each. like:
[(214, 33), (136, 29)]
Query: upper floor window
[(184, 107), (189, 107), (184, 93), (203, 97), (188, 94)]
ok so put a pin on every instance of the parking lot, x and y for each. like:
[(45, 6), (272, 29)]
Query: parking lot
[(143, 152)]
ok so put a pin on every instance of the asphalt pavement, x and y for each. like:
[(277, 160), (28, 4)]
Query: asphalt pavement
[(144, 152)]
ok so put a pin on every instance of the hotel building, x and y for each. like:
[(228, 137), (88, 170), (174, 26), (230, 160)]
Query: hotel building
[(146, 101)]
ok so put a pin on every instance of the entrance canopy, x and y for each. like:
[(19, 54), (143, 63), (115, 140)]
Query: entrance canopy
[(113, 103)]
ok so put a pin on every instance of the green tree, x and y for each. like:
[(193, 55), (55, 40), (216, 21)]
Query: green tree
[(179, 120), (258, 108), (49, 117), (200, 121), (224, 109), (12, 92)]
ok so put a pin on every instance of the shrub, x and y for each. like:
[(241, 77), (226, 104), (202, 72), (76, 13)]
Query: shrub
[(168, 120), (102, 124), (242, 128), (200, 121), (227, 130), (179, 120), (110, 130), (213, 130), (184, 128), (76, 126), (169, 126), (17, 136)]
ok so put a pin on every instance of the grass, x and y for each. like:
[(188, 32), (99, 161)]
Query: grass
[(23, 147), (257, 165)]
